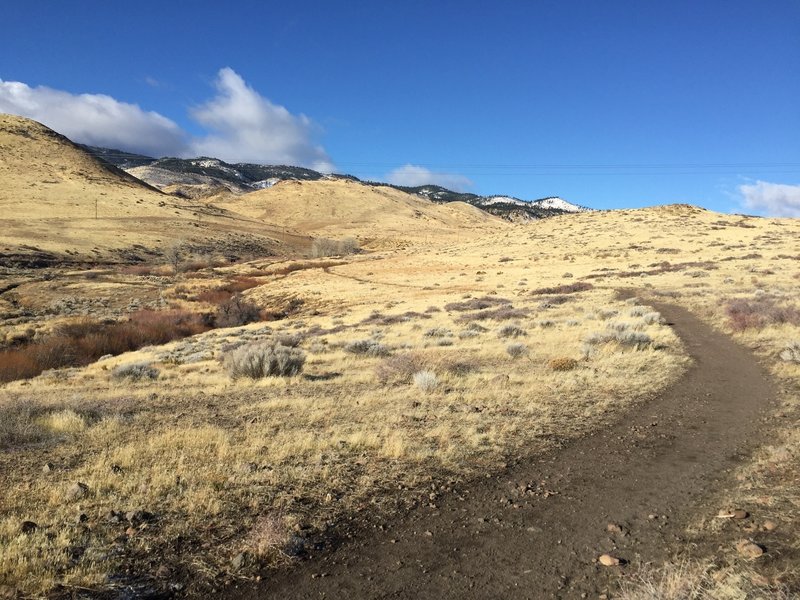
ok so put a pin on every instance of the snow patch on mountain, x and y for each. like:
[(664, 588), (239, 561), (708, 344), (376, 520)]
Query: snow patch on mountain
[(556, 203)]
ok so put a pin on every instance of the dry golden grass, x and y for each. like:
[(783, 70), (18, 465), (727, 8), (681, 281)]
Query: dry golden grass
[(221, 462)]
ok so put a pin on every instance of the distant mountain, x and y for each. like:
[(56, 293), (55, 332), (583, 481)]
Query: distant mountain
[(204, 176)]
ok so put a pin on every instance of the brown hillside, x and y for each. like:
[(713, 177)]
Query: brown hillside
[(57, 201), (379, 216)]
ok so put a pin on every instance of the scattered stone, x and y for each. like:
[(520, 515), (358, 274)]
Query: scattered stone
[(769, 526), (239, 561), (732, 513), (137, 517), (77, 490), (115, 517), (28, 527), (749, 550), (652, 516), (48, 467), (615, 528), (429, 533), (608, 561)]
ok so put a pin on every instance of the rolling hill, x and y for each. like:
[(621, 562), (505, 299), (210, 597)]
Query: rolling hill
[(62, 203)]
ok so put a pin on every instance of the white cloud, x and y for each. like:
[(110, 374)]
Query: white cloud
[(246, 127), (241, 125), (772, 199), (94, 119), (414, 175)]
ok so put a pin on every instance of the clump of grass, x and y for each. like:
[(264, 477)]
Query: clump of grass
[(652, 318), (426, 380), (63, 421), (517, 350), (684, 580), (513, 331), (562, 363), (635, 339), (264, 359), (20, 424), (638, 311), (438, 332), (567, 288), (366, 348), (476, 304), (135, 371), (401, 367), (547, 323), (322, 247), (792, 352)]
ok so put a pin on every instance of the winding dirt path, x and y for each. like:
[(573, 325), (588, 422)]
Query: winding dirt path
[(536, 530)]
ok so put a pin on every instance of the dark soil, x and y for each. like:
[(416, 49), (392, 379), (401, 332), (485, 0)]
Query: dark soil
[(536, 530)]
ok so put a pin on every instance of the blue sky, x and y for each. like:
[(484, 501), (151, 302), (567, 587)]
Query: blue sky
[(607, 104)]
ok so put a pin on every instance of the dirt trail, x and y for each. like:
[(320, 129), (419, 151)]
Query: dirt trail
[(510, 537)]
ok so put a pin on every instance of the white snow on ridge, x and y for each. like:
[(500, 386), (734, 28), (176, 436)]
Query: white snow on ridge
[(264, 183), (502, 199), (559, 204)]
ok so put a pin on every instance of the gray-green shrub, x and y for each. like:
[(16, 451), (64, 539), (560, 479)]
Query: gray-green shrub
[(264, 359)]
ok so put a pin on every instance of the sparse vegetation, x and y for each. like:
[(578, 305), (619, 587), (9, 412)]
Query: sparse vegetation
[(323, 247), (135, 371), (791, 353), (759, 312), (264, 359), (516, 350), (426, 380), (562, 363), (513, 331), (367, 348)]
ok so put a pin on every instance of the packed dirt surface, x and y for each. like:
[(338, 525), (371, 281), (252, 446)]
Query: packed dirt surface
[(537, 529)]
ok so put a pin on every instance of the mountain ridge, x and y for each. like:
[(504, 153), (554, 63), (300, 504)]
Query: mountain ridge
[(202, 176)]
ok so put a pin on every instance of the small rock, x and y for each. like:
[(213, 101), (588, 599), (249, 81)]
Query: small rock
[(82, 518), (114, 517), (77, 490), (429, 533), (239, 561), (769, 526), (28, 527), (759, 580), (608, 561), (48, 467), (740, 514), (749, 550), (137, 517), (652, 516), (615, 528)]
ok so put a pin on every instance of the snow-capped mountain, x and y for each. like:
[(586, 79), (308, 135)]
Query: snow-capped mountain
[(556, 203)]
